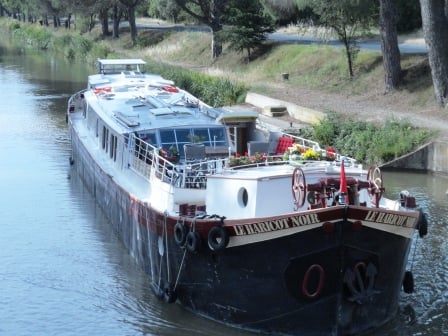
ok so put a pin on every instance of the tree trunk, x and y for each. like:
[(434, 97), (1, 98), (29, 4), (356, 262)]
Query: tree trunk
[(216, 26), (349, 59), (68, 23), (132, 24), (389, 44), (216, 45), (116, 24), (104, 22), (435, 29), (91, 22)]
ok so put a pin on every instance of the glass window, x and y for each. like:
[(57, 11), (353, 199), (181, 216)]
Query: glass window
[(149, 138), (105, 139), (113, 147), (177, 138), (167, 136), (201, 135), (218, 136), (183, 135)]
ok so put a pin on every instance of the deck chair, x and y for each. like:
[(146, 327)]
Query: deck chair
[(196, 161), (194, 152), (283, 144)]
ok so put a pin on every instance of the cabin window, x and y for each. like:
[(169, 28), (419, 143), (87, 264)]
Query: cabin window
[(178, 137), (200, 135), (167, 136), (113, 147), (243, 197), (183, 135), (149, 138), (105, 139)]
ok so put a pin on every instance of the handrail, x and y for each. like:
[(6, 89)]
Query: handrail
[(308, 144), (146, 160)]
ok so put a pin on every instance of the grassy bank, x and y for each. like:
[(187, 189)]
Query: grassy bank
[(185, 58)]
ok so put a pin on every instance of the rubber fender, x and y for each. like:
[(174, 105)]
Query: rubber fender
[(180, 234), (218, 238), (193, 242), (408, 282)]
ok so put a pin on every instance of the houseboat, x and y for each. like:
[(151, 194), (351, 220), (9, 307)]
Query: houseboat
[(234, 219)]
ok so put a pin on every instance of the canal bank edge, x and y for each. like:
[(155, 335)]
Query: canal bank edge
[(432, 157), (294, 111)]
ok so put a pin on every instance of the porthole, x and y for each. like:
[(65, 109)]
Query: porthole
[(243, 197)]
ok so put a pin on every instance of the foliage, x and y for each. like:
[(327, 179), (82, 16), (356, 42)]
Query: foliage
[(409, 16), (209, 13), (367, 142), (347, 18), (282, 11), (83, 24), (32, 35), (166, 10), (247, 25), (243, 160), (214, 91)]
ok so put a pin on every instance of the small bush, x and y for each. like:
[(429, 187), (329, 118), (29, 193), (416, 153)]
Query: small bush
[(212, 90), (367, 142)]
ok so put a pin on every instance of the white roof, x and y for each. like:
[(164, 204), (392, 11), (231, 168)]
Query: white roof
[(121, 61)]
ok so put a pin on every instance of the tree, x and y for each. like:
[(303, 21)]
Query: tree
[(389, 44), (283, 11), (130, 6), (246, 25), (435, 30), (117, 14), (409, 18), (208, 12), (347, 18), (165, 9)]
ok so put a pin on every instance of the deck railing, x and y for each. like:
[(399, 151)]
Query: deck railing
[(147, 159)]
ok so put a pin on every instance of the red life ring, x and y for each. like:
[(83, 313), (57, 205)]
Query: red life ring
[(102, 89), (320, 284), (170, 88)]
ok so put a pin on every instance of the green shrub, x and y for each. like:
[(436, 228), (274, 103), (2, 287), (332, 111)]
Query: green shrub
[(32, 35), (213, 91), (367, 142)]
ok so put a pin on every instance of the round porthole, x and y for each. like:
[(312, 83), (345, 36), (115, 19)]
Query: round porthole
[(243, 197)]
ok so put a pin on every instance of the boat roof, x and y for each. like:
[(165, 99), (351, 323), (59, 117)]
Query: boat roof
[(133, 101), (131, 61)]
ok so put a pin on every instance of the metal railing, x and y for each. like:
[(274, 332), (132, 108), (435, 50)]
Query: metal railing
[(147, 159)]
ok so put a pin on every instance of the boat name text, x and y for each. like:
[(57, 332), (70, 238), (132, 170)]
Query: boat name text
[(276, 225), (386, 218)]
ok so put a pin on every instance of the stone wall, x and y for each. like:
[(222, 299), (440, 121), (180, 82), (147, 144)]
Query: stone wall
[(431, 157)]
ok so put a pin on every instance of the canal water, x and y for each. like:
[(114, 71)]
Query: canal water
[(64, 272)]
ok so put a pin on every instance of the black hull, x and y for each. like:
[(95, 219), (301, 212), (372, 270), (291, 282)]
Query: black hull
[(309, 283)]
